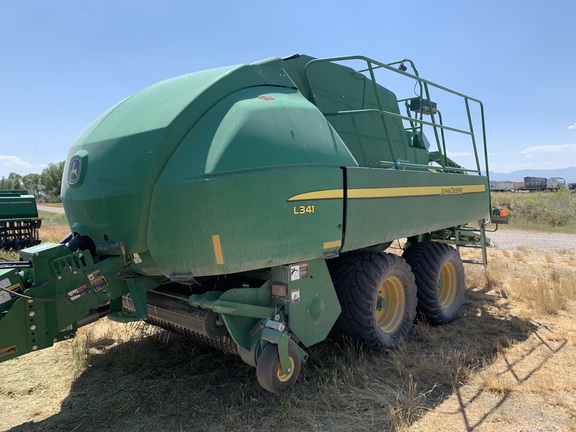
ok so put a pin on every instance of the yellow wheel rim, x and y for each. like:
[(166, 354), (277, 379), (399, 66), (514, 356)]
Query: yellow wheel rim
[(390, 305), (282, 377), (447, 285)]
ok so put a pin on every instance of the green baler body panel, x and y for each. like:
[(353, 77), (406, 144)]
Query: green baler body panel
[(234, 169), (127, 148), (249, 213), (407, 203)]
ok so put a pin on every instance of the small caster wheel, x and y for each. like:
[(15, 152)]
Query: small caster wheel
[(269, 370)]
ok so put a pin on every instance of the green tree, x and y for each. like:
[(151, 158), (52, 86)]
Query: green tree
[(32, 184), (13, 181), (51, 179)]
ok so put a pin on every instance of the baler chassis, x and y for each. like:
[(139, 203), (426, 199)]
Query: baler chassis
[(284, 183)]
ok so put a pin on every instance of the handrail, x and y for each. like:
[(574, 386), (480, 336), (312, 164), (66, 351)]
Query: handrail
[(416, 122), (385, 66), (391, 114)]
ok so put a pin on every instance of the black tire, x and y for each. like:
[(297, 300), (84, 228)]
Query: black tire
[(377, 293), (269, 371), (440, 280)]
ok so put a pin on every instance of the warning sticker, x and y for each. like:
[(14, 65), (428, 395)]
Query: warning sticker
[(299, 271), (295, 296), (78, 292), (97, 280), (5, 295)]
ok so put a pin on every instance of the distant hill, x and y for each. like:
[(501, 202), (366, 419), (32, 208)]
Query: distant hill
[(568, 174)]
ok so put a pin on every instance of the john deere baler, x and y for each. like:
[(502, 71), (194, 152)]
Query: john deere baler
[(250, 206)]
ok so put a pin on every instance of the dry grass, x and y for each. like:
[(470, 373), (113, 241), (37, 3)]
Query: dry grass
[(506, 363), (530, 383), (53, 236), (54, 227)]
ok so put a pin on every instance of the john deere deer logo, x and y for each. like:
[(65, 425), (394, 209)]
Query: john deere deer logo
[(74, 170)]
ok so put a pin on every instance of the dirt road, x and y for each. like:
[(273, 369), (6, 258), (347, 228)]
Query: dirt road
[(513, 239), (58, 210)]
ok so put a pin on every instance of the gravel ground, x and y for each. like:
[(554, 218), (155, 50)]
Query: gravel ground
[(513, 239), (59, 210)]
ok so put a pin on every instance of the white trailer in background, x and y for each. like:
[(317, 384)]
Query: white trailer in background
[(501, 186)]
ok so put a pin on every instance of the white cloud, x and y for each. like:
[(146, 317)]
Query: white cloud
[(572, 126), (15, 161), (560, 149), (10, 163)]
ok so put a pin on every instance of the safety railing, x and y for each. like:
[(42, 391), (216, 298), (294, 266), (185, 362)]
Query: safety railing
[(416, 122)]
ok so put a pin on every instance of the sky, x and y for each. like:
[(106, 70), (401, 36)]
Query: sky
[(64, 62)]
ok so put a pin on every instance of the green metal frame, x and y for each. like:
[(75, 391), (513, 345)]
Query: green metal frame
[(66, 290), (416, 126), (438, 126), (306, 310)]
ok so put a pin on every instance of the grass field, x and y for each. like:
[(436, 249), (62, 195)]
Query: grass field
[(507, 363), (542, 211), (54, 226)]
